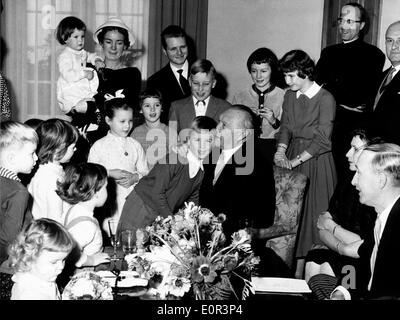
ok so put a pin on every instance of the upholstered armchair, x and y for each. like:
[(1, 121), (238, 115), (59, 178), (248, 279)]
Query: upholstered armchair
[(281, 236)]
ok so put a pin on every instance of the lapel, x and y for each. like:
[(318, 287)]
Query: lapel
[(391, 226), (393, 85), (228, 171), (212, 108), (190, 111), (171, 80)]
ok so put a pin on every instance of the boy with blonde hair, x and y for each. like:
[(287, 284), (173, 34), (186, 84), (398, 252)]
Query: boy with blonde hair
[(17, 155)]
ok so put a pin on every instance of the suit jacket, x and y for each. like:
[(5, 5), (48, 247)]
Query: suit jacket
[(165, 81), (183, 111), (244, 189), (386, 280), (384, 120)]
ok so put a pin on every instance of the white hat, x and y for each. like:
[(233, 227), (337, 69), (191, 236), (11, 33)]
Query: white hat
[(114, 22)]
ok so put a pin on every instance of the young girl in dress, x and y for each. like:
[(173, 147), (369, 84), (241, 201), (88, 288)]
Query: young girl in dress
[(304, 143), (77, 84), (154, 136), (85, 188), (57, 139), (264, 97), (122, 156), (38, 256)]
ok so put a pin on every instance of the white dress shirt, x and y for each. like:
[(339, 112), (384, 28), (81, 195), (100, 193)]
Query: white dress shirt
[(223, 159), (195, 164), (200, 107), (185, 69)]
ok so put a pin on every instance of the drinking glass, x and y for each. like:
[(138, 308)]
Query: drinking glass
[(112, 226), (128, 241)]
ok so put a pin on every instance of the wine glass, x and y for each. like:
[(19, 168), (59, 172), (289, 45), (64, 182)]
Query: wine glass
[(112, 226)]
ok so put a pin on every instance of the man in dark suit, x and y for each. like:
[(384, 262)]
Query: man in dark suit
[(172, 79), (384, 120), (200, 102), (378, 184), (239, 182), (350, 71)]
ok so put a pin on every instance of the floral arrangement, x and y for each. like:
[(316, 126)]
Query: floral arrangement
[(185, 254), (87, 286)]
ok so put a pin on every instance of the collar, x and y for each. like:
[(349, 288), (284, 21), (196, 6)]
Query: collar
[(383, 216), (228, 153), (397, 69), (351, 41), (205, 101), (117, 138), (194, 164), (259, 92), (76, 52), (185, 68), (311, 92), (5, 173)]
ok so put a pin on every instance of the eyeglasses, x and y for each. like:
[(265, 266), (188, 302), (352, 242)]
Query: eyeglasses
[(348, 21)]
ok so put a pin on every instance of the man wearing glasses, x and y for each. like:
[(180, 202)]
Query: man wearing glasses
[(351, 71)]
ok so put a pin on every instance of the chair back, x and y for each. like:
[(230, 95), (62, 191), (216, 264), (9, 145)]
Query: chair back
[(289, 187)]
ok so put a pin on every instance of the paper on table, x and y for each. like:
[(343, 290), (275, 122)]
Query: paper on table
[(288, 285)]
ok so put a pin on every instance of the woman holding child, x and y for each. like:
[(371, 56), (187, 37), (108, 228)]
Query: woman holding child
[(117, 79)]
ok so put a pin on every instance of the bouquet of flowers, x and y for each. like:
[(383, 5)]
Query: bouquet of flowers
[(87, 286), (185, 253)]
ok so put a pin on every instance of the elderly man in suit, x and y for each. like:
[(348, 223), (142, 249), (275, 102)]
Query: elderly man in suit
[(240, 183), (377, 180), (384, 120), (201, 102), (172, 79), (342, 70)]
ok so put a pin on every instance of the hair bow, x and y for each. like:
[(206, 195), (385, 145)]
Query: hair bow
[(118, 94)]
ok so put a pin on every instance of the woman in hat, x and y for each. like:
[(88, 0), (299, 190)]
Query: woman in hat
[(117, 79)]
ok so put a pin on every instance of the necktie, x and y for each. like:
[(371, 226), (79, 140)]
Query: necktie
[(184, 83), (377, 232), (387, 80)]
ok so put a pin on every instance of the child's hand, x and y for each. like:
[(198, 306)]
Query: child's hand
[(89, 74), (267, 113), (99, 64), (181, 149), (116, 174), (128, 179), (99, 258)]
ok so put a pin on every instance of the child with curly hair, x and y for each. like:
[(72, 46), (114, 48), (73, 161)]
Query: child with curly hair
[(38, 256)]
